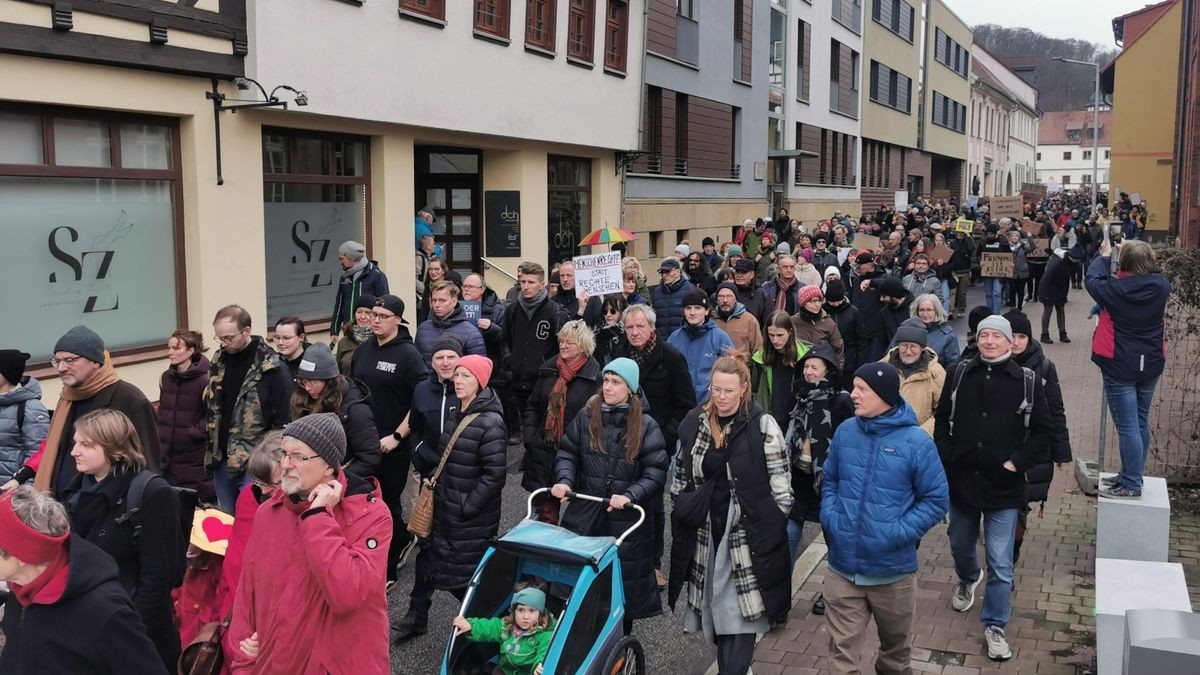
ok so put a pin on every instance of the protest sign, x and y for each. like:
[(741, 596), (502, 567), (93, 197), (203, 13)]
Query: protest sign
[(472, 309), (901, 200), (598, 274), (1040, 246), (1136, 198), (964, 225), (867, 241), (1008, 207), (941, 252), (996, 265), (1031, 228), (972, 200)]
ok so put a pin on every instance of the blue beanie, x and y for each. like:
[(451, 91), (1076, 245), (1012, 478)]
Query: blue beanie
[(530, 597), (627, 370)]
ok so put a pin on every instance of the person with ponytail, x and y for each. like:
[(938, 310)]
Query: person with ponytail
[(614, 449), (729, 553)]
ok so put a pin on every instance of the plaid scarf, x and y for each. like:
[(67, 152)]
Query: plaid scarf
[(556, 409), (812, 422), (641, 356), (784, 289)]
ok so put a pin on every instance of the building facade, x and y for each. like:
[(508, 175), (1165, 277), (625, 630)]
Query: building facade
[(1064, 150), (1144, 82), (914, 118), (1187, 148), (816, 91), (1003, 127), (702, 165), (136, 202)]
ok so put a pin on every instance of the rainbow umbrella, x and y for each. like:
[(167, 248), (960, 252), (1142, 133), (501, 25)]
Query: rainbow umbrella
[(607, 235)]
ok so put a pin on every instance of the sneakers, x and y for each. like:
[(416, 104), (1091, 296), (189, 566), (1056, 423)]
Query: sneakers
[(1119, 492), (406, 553), (997, 643), (409, 627), (964, 594), (1110, 481)]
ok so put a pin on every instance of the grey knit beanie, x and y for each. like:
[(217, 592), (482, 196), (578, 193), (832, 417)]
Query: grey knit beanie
[(323, 433), (83, 341), (997, 323), (317, 363)]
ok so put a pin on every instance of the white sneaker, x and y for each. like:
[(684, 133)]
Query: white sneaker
[(997, 643), (964, 594)]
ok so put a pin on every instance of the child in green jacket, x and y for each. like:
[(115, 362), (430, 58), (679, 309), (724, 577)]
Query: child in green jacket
[(524, 633)]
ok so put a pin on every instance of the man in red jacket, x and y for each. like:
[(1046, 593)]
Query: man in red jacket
[(314, 570)]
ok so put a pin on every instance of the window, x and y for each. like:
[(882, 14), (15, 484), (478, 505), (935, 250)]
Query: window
[(569, 189), (580, 22), (491, 17), (434, 9), (1087, 154), (895, 15), (1087, 178), (849, 14), (803, 47), (686, 8), (90, 209), (1066, 155), (836, 163), (950, 54), (890, 88), (314, 198), (539, 24), (949, 113), (843, 79), (1107, 154), (776, 70), (1039, 157), (616, 34)]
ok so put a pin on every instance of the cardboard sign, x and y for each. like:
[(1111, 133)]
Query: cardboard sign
[(964, 225), (972, 200), (867, 241), (1040, 247), (598, 274), (1136, 198), (1031, 228), (901, 200), (472, 309), (1008, 207), (994, 265), (941, 252)]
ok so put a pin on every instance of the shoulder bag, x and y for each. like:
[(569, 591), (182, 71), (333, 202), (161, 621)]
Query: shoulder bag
[(421, 522)]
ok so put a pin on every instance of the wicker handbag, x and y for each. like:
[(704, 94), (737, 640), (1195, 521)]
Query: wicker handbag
[(420, 523)]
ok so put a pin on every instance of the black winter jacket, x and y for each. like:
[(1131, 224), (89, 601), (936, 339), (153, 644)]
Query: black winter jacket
[(990, 430), (1040, 476), (892, 316), (363, 454), (466, 514), (853, 341), (539, 454), (145, 564), (1056, 281), (668, 306), (121, 396), (605, 472), (608, 340), (528, 341), (755, 300), (667, 387), (182, 419), (869, 309), (91, 630), (434, 407)]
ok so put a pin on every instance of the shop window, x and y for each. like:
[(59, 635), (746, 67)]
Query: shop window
[(90, 214), (539, 24), (616, 35), (314, 198), (434, 9), (569, 187), (491, 17), (580, 23)]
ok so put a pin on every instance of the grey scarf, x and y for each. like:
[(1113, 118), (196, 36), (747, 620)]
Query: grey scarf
[(358, 268), (530, 306)]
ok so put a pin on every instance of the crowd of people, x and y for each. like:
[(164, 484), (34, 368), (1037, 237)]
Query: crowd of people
[(785, 377)]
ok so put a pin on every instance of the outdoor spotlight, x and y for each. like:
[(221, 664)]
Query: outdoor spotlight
[(241, 83), (301, 98)]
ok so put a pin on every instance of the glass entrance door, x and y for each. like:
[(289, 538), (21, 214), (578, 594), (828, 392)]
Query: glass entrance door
[(449, 182)]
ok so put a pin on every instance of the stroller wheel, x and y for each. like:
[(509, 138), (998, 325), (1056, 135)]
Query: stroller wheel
[(626, 658)]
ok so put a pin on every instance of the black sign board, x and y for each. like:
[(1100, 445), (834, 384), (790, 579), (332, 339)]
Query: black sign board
[(502, 219)]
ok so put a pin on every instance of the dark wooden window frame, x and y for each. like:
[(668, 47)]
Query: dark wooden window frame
[(500, 16), (616, 36), (49, 169), (424, 9), (581, 30), (545, 43)]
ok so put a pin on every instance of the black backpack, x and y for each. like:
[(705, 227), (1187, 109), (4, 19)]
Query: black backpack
[(187, 500), (1025, 409)]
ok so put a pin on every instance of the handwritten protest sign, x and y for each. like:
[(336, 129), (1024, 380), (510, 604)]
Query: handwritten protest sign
[(472, 309), (1031, 228), (996, 265), (1040, 247), (901, 200), (964, 225), (598, 274), (1008, 207), (867, 241)]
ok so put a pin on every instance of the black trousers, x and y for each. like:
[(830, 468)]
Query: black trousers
[(420, 599), (1017, 289), (1062, 318), (735, 653), (393, 476)]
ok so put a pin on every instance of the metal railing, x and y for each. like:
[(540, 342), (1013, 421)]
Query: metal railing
[(658, 164), (489, 263)]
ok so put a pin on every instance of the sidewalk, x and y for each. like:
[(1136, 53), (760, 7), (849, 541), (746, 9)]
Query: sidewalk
[(1052, 628)]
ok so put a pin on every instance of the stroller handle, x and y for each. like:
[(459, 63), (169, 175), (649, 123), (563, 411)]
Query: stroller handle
[(591, 498)]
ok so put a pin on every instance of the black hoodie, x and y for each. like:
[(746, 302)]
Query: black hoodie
[(391, 372), (92, 629)]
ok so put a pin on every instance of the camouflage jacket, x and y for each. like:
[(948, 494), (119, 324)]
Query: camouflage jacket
[(261, 405)]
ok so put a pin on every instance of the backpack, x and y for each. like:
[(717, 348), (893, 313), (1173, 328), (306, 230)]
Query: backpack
[(1025, 409), (186, 498)]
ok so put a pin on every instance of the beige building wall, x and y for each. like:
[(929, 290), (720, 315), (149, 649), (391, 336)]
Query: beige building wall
[(811, 211), (662, 224), (939, 78), (881, 123)]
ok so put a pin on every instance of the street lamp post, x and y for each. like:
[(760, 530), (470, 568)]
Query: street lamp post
[(1095, 133)]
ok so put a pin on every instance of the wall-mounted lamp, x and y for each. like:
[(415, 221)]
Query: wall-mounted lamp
[(270, 100)]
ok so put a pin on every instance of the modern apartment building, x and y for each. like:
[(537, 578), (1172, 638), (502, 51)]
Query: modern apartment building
[(135, 201), (916, 65), (1003, 127), (702, 166)]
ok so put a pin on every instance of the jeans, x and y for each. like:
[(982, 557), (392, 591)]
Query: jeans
[(228, 487), (993, 294), (945, 295), (1129, 405), (999, 533), (795, 534)]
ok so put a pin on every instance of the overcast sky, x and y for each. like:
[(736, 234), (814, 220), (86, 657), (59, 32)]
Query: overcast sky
[(1089, 20)]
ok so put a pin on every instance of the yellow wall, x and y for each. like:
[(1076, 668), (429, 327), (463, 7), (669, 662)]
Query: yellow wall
[(945, 81), (880, 122), (1143, 136), (811, 211), (667, 222)]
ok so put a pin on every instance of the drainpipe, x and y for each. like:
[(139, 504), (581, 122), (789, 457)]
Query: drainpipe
[(1186, 48)]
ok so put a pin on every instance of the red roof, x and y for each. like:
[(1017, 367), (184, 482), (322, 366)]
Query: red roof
[(1054, 127), (1135, 24)]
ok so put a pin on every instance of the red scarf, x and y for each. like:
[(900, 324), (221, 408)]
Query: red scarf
[(556, 410), (48, 587)]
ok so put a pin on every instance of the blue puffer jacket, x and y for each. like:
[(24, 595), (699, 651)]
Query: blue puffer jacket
[(668, 306), (458, 325), (18, 445), (884, 487), (701, 346)]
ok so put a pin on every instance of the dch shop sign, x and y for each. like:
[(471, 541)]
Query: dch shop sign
[(502, 219)]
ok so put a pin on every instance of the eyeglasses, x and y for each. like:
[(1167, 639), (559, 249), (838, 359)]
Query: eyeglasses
[(381, 316), (280, 455), (285, 338), (226, 339), (68, 361)]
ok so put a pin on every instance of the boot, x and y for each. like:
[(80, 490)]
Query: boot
[(1062, 337), (1045, 339), (819, 605), (409, 627)]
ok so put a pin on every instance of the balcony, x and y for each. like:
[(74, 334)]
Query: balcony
[(654, 164)]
